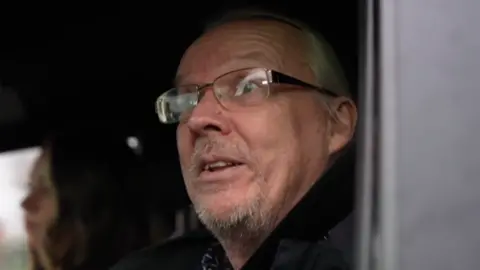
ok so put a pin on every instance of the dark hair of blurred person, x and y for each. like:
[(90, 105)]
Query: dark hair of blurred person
[(86, 208)]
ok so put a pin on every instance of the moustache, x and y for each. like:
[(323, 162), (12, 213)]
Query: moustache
[(217, 147)]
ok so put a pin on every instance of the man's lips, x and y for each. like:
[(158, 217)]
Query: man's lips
[(216, 168), (225, 173), (214, 162), (219, 165)]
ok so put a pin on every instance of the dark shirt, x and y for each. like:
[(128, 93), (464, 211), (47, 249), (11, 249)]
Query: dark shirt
[(215, 259), (196, 252)]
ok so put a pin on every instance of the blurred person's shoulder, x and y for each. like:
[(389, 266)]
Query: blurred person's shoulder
[(184, 252)]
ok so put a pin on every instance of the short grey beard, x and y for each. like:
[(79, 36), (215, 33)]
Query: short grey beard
[(241, 224), (250, 222)]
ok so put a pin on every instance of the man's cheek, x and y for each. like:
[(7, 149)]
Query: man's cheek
[(183, 152)]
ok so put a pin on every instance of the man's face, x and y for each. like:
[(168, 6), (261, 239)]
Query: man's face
[(268, 155)]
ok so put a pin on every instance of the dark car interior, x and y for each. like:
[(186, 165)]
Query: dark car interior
[(98, 70)]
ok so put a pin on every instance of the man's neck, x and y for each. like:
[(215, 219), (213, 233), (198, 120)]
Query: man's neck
[(239, 250), (240, 243)]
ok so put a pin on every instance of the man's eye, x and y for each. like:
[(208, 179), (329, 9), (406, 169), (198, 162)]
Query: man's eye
[(245, 88), (182, 102)]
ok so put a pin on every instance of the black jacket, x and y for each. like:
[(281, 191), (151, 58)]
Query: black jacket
[(300, 242)]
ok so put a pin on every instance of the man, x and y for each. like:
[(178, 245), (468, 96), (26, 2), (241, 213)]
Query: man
[(263, 109)]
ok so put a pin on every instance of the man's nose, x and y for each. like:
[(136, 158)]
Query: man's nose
[(208, 116)]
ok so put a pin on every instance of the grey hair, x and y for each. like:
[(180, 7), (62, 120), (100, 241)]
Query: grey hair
[(321, 57)]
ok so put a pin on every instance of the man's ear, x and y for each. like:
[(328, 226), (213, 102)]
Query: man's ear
[(342, 124)]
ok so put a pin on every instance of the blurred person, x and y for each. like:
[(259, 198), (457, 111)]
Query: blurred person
[(263, 111), (2, 243), (85, 208), (3, 234)]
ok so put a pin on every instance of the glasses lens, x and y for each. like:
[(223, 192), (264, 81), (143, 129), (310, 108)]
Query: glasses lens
[(173, 103), (245, 87)]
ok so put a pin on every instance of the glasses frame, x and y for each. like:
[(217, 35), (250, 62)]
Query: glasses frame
[(273, 77)]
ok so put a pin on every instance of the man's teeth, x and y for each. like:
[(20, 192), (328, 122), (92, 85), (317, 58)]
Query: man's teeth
[(217, 165)]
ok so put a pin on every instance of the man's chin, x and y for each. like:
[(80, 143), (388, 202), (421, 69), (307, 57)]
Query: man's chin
[(228, 208), (225, 215), (218, 212), (221, 203)]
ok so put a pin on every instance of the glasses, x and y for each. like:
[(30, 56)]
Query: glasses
[(234, 90)]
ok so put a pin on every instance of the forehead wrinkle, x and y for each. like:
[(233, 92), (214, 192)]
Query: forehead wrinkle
[(273, 45), (280, 47), (253, 59)]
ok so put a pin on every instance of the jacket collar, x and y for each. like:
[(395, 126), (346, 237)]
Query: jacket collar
[(327, 203)]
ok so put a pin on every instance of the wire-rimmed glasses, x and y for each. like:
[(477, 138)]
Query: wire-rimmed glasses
[(233, 90)]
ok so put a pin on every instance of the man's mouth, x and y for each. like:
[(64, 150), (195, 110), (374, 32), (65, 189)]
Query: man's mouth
[(215, 168), (219, 165)]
